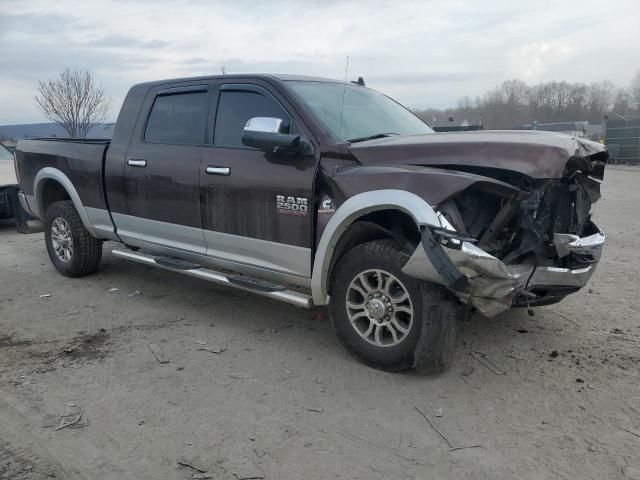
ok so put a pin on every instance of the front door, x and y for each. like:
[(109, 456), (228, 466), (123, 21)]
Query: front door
[(256, 208), (161, 172)]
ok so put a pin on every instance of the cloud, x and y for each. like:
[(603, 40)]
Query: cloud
[(423, 53), (124, 41)]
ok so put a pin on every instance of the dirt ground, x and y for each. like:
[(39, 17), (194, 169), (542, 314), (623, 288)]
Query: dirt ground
[(556, 395)]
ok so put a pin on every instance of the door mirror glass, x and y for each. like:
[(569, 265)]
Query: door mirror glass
[(264, 124)]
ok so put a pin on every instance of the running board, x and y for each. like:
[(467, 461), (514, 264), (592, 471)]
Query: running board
[(249, 284)]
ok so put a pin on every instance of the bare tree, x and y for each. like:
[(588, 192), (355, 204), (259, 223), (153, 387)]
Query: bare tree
[(74, 101)]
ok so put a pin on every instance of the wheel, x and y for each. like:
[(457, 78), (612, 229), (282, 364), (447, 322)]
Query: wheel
[(72, 249), (387, 319)]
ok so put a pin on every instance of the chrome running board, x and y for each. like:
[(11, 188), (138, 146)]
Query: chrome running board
[(288, 296)]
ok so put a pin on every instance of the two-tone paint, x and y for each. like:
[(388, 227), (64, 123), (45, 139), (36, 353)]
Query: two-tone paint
[(168, 199)]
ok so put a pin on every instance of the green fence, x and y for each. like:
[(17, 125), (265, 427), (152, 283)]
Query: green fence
[(622, 137)]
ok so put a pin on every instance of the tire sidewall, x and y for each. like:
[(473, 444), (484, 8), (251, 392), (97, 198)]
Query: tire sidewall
[(60, 209), (355, 261)]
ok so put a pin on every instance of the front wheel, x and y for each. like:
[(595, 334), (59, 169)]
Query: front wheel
[(72, 249), (387, 319)]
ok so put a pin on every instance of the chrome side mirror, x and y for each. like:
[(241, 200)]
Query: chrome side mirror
[(264, 125), (265, 133)]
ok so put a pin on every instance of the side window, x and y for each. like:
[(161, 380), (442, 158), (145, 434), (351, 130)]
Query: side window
[(235, 108), (177, 118)]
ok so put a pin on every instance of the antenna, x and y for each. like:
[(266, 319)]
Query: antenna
[(344, 91)]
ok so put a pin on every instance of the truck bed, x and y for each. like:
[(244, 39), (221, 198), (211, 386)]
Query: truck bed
[(80, 160)]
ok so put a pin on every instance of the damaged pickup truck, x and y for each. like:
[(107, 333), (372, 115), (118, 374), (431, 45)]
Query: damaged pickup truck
[(316, 192)]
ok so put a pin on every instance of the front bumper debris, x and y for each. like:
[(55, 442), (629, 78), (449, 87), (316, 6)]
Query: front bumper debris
[(492, 286)]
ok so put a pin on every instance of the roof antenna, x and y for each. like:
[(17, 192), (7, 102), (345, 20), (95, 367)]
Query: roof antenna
[(344, 91)]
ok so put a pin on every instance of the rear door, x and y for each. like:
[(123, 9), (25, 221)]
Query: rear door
[(245, 191), (161, 171)]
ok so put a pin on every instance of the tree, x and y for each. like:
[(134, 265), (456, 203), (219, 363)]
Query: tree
[(74, 101)]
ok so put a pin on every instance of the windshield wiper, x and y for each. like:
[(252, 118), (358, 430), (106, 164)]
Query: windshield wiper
[(372, 137)]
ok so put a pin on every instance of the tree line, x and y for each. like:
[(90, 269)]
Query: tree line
[(513, 104)]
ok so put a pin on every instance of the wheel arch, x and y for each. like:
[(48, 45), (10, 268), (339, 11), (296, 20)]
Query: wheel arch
[(52, 185), (359, 212)]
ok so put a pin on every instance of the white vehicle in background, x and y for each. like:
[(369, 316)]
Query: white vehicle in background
[(9, 203)]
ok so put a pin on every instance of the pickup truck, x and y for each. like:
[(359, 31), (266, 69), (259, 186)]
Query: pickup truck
[(321, 192)]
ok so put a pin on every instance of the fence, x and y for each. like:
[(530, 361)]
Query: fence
[(622, 137)]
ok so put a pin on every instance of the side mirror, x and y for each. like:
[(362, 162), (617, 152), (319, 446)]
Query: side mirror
[(264, 133)]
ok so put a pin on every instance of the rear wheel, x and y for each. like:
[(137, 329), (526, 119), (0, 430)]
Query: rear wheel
[(387, 319), (72, 249)]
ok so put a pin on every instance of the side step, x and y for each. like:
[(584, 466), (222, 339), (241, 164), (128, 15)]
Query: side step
[(277, 292)]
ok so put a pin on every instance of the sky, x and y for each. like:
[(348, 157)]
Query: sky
[(422, 53)]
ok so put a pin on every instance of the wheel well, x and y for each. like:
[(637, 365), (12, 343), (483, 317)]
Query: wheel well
[(394, 224), (52, 191)]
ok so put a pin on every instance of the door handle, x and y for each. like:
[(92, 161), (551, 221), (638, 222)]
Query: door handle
[(136, 162), (218, 170)]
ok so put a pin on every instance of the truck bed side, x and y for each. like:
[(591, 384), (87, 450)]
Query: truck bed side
[(56, 169)]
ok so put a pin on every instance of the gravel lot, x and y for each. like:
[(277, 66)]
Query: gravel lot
[(285, 401)]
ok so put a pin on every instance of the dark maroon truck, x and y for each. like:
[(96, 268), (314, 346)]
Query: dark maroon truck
[(318, 192)]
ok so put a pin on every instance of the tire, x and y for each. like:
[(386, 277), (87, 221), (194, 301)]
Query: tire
[(426, 339), (63, 229)]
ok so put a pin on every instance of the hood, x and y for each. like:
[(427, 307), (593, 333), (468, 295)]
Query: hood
[(535, 154)]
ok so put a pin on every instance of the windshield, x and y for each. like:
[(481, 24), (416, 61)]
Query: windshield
[(367, 113)]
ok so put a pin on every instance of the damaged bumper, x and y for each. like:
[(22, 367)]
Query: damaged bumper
[(488, 284)]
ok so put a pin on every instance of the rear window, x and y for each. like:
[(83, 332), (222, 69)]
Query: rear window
[(178, 118)]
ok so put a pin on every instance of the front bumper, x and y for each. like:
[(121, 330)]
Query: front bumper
[(492, 286)]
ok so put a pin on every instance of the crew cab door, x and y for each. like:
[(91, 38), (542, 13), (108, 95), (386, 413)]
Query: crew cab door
[(162, 171), (242, 189)]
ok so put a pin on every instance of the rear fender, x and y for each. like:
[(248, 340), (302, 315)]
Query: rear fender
[(37, 205)]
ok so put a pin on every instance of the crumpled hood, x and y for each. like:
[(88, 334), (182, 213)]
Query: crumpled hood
[(536, 154)]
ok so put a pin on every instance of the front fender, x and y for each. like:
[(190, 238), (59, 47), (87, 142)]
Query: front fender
[(352, 209)]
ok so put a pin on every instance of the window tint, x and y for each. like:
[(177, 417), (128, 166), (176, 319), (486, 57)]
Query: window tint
[(179, 118), (235, 108)]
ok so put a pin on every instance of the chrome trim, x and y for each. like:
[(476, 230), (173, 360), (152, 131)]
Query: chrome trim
[(492, 284), (55, 174), (289, 296), (218, 170), (545, 277), (589, 246), (350, 211), (264, 125), (137, 162)]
